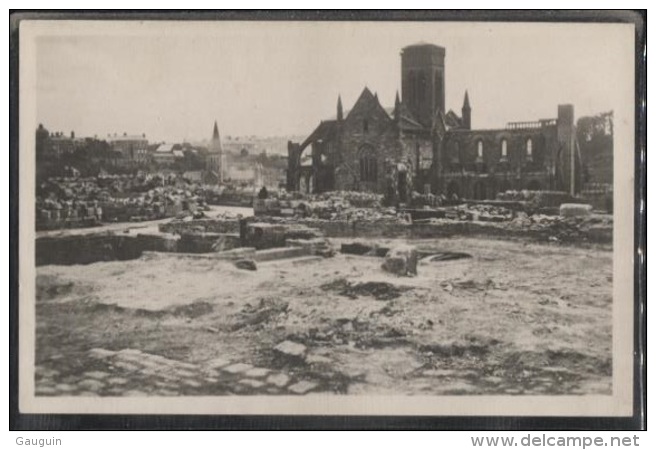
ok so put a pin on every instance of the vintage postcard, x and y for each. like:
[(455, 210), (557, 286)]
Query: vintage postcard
[(306, 217)]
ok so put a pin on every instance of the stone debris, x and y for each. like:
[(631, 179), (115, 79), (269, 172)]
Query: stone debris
[(100, 353), (246, 264), (279, 379), (91, 385), (252, 383), (318, 359), (302, 387), (575, 210), (291, 349), (156, 375), (257, 372), (237, 368), (401, 261), (217, 363)]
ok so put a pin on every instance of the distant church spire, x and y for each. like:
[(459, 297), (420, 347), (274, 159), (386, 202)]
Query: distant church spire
[(466, 112), (215, 143), (214, 162), (215, 134), (397, 107), (340, 110), (466, 103)]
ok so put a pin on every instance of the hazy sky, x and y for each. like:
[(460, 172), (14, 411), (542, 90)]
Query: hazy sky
[(172, 80)]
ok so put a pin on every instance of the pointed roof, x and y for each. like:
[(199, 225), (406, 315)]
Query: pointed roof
[(405, 119), (367, 100), (325, 131), (340, 109), (215, 144), (452, 119), (465, 105)]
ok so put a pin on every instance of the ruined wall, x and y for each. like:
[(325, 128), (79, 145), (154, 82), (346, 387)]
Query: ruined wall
[(91, 248), (202, 225), (469, 175)]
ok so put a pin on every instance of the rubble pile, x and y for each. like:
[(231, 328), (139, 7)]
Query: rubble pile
[(479, 212), (538, 199), (77, 202), (566, 229), (337, 205)]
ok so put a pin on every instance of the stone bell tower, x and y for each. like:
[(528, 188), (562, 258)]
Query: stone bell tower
[(422, 80)]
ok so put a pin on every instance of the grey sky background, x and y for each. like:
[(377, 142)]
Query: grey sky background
[(172, 80)]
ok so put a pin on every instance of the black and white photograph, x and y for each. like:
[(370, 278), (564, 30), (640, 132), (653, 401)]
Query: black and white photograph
[(307, 217)]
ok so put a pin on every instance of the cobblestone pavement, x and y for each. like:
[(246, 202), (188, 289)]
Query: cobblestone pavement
[(130, 372)]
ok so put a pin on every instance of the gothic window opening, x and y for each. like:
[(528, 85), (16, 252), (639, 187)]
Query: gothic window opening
[(368, 169), (421, 89), (455, 154), (365, 125), (439, 92), (529, 147), (479, 150), (413, 86), (504, 149)]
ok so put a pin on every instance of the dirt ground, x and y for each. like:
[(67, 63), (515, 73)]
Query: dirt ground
[(514, 318)]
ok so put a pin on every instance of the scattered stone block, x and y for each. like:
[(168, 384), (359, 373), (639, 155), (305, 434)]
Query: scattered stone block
[(575, 209), (91, 385), (359, 248), (291, 349), (237, 253), (401, 261), (101, 353), (191, 383), (246, 264), (237, 368), (251, 383), (45, 390), (117, 381), (217, 363), (317, 359), (63, 387), (257, 372), (280, 380), (302, 387)]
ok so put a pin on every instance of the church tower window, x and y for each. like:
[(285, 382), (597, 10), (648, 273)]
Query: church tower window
[(529, 149), (504, 149), (479, 149)]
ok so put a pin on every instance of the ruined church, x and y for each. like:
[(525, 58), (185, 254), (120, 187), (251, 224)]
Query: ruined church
[(418, 146)]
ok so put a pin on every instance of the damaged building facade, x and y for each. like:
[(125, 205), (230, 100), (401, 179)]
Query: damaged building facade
[(417, 146)]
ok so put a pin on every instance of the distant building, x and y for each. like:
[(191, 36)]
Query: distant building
[(422, 147), (215, 160), (56, 144), (167, 153), (133, 148)]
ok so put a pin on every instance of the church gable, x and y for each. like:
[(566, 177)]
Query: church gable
[(367, 117)]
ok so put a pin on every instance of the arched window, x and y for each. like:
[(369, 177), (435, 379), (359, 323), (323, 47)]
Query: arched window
[(529, 147), (421, 88), (368, 169), (455, 155), (365, 125), (412, 77), (479, 149), (439, 91), (368, 164), (504, 148)]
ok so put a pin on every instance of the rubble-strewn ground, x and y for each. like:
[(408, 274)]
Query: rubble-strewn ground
[(515, 318)]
